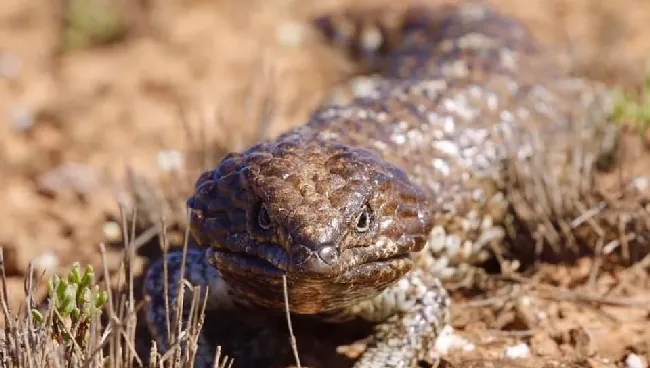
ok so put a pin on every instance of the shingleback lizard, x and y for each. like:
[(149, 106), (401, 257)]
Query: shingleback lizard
[(370, 203)]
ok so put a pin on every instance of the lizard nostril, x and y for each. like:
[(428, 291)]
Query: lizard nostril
[(306, 258), (329, 255), (300, 254)]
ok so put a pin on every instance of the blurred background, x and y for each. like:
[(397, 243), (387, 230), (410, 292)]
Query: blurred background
[(105, 102)]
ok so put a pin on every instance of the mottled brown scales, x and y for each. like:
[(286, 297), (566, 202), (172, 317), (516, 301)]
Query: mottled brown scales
[(368, 204)]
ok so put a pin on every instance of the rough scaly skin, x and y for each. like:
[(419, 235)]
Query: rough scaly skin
[(368, 204)]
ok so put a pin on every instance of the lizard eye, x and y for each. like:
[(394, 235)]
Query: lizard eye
[(263, 218), (364, 220)]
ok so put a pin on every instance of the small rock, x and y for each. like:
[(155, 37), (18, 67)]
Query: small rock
[(169, 160), (526, 312), (112, 231), (372, 39), (640, 183), (518, 351), (290, 34), (47, 261), (22, 119), (77, 177), (635, 361), (448, 340), (363, 86)]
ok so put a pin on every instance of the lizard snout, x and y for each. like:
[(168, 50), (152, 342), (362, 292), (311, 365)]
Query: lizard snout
[(318, 260)]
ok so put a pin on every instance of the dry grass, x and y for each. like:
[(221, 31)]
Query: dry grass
[(112, 338), (157, 213), (106, 340)]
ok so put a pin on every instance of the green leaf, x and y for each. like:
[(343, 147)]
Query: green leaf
[(68, 299), (51, 286), (61, 289), (37, 316), (88, 277), (102, 297), (74, 276), (75, 314)]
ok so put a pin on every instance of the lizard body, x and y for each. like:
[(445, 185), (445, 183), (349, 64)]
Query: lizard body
[(369, 204)]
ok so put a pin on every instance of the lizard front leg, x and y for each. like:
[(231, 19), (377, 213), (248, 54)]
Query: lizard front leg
[(159, 315), (249, 343), (410, 316)]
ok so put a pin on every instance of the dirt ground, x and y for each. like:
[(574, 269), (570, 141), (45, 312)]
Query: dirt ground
[(81, 128)]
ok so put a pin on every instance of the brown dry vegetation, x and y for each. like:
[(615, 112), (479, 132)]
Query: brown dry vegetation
[(85, 123)]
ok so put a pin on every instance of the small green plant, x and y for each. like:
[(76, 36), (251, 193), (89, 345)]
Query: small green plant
[(634, 108), (74, 302), (92, 22)]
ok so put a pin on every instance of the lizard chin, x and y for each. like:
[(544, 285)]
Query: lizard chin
[(251, 275)]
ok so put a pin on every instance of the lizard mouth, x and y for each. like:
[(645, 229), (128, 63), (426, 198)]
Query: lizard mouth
[(270, 259), (256, 277)]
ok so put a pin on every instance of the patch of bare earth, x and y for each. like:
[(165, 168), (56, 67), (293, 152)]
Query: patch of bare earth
[(199, 73)]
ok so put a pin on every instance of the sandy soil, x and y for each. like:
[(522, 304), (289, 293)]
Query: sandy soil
[(75, 123)]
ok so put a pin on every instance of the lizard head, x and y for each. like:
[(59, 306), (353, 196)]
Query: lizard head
[(338, 221)]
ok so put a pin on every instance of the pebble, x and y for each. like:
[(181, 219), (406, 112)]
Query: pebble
[(112, 231), (517, 351), (79, 177), (363, 86), (635, 361), (641, 183), (372, 40), (448, 340), (22, 119), (47, 261), (169, 160), (290, 34)]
